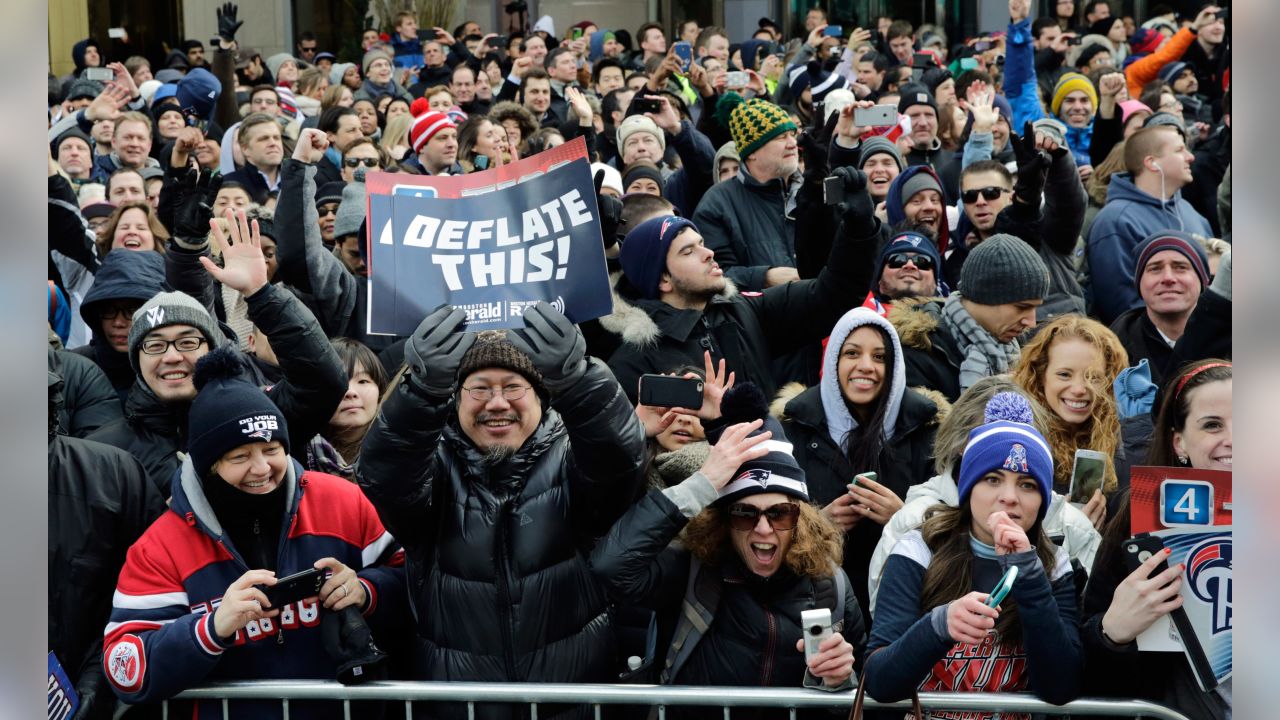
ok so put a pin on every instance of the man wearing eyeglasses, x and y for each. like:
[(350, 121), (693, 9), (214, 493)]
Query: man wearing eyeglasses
[(171, 331), (497, 462)]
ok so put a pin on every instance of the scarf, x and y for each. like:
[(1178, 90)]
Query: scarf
[(672, 468), (323, 457), (983, 355)]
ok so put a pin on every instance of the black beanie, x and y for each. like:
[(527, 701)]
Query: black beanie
[(229, 411)]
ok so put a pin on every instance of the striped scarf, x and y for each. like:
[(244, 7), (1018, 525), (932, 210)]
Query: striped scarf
[(984, 356)]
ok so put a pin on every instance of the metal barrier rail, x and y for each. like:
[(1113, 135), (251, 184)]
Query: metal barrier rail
[(660, 695)]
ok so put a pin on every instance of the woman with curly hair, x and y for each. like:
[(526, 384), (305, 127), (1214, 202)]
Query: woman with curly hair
[(1069, 368), (743, 526)]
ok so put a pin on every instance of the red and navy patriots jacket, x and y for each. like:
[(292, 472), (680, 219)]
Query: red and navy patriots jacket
[(160, 639)]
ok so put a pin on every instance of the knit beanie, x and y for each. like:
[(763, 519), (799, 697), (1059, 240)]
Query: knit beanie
[(1103, 26), (1170, 72), (229, 411), (920, 182), (275, 61), (82, 88), (777, 471), (1166, 118), (69, 133), (368, 59), (612, 178), (913, 94), (879, 144), (1007, 440), (1129, 107), (911, 241), (197, 93), (633, 124), (492, 349), (351, 210), (643, 169), (336, 71), (330, 192), (644, 251), (148, 89), (1145, 40), (1171, 240), (1003, 269), (170, 308), (1086, 55), (168, 76), (1069, 83), (425, 127), (288, 103), (751, 123), (1158, 23), (813, 77)]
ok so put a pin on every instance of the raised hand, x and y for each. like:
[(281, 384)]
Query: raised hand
[(109, 103), (714, 387), (227, 23), (1009, 536), (310, 146), (874, 501), (554, 344), (1140, 600), (244, 268), (733, 449), (124, 79), (342, 589), (434, 351), (834, 661)]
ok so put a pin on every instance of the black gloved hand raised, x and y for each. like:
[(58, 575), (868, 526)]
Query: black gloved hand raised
[(434, 351), (858, 212), (1033, 167), (554, 345), (227, 24), (610, 213), (196, 191)]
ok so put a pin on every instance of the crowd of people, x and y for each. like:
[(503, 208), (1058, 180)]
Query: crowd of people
[(911, 276)]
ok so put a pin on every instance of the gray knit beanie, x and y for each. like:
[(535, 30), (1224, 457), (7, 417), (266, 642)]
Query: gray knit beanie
[(1003, 269), (350, 211), (920, 182), (880, 144), (170, 308)]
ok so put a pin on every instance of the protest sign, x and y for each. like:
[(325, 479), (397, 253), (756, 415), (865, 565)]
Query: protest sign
[(63, 702), (1174, 497), (491, 243)]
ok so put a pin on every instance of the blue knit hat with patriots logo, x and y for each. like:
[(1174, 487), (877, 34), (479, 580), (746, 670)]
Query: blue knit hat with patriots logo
[(1007, 441)]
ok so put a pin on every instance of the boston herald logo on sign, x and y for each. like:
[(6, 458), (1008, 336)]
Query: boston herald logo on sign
[(490, 249)]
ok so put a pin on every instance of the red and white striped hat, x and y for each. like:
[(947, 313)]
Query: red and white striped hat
[(425, 127)]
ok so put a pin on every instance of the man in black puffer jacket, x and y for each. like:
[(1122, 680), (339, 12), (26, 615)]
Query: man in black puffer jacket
[(497, 462)]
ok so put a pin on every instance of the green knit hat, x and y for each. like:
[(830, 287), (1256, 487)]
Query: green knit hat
[(751, 123)]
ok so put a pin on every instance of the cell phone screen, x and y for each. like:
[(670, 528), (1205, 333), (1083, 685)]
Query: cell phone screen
[(1086, 475)]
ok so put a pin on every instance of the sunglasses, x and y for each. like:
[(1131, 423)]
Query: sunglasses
[(897, 261), (990, 193), (744, 517), (357, 162)]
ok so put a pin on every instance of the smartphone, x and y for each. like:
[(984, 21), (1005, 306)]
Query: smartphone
[(832, 191), (736, 79), (833, 31), (1139, 549), (921, 60), (670, 391), (295, 587), (115, 32), (1002, 588), (1086, 475), (428, 35), (982, 46), (645, 104), (866, 475), (575, 34), (1223, 14), (99, 74), (875, 116), (968, 64), (501, 41), (816, 625), (684, 51), (1075, 40)]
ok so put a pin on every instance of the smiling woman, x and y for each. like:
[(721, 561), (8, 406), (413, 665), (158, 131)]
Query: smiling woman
[(133, 226), (336, 449)]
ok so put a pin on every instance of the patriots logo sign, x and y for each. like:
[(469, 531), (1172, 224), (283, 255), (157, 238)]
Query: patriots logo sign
[(1209, 579), (758, 475), (259, 427), (915, 241), (1017, 459)]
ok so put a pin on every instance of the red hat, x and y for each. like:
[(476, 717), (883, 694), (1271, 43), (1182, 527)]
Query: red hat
[(425, 127), (1145, 40)]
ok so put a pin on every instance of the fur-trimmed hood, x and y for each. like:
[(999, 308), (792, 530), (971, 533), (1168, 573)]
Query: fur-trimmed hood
[(632, 322), (792, 390), (915, 320)]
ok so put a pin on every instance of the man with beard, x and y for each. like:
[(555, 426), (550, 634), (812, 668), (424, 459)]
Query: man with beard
[(909, 267), (672, 303), (497, 462)]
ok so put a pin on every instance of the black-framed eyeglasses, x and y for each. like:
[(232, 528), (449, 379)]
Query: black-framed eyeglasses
[(357, 162), (156, 346), (510, 393), (899, 260), (990, 193), (783, 516), (111, 312)]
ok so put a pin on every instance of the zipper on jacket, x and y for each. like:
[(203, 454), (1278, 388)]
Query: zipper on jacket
[(504, 592), (770, 646)]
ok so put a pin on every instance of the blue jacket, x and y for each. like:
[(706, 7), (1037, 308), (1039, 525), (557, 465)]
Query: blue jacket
[(408, 52), (1128, 217), (1022, 91), (161, 639)]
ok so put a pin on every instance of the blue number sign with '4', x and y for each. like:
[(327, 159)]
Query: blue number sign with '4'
[(1186, 503)]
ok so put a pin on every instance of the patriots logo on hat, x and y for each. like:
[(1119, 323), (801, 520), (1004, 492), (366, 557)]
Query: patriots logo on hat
[(915, 241), (264, 435), (1017, 459), (759, 475)]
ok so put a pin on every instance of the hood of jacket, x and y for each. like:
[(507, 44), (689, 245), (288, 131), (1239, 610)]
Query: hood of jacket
[(894, 203), (1122, 188), (726, 151), (641, 322), (78, 50), (123, 276), (840, 422), (188, 496), (916, 319)]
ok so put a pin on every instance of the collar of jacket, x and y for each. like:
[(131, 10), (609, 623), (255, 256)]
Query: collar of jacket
[(933, 149), (145, 410), (919, 407), (515, 469), (919, 325), (641, 322), (188, 497)]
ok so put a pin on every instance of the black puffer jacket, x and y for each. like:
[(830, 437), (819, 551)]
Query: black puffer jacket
[(89, 402), (497, 555), (313, 385), (99, 503), (932, 357), (906, 460)]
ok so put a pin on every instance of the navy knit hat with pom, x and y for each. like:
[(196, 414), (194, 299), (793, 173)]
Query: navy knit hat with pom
[(229, 411), (778, 470), (1007, 441)]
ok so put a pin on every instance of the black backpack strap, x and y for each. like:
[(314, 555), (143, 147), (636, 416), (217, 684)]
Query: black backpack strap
[(830, 593), (701, 598)]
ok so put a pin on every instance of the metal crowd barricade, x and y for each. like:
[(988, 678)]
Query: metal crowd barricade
[(662, 696)]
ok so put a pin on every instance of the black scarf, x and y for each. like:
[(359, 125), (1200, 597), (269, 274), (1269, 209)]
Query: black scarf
[(252, 522)]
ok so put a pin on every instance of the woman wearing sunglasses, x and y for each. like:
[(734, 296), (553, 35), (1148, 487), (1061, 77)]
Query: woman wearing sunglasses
[(937, 628), (740, 543), (861, 418)]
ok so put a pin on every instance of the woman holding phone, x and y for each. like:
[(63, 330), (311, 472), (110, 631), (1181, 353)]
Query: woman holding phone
[(192, 603), (1192, 429), (862, 437), (1069, 368), (934, 629)]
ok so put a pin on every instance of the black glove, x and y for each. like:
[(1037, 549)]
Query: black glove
[(555, 345), (194, 205), (349, 642), (610, 213), (814, 147), (227, 24), (435, 349), (858, 212), (1033, 167)]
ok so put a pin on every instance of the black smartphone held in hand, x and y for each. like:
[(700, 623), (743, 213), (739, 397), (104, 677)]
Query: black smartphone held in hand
[(295, 587), (832, 191), (670, 391), (921, 60), (645, 104)]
